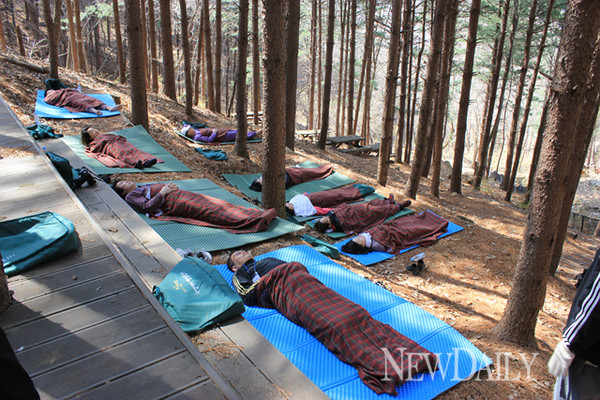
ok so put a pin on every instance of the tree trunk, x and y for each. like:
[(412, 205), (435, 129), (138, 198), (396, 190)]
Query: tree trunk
[(72, 41), (2, 36), (351, 62), (585, 132), (518, 98), (409, 105), (340, 94), (98, 46), (79, 38), (426, 101), (241, 149), (538, 146), (145, 42), (218, 55), (137, 69), (390, 94), (403, 79), (187, 60), (484, 140), (53, 26), (528, 291), (208, 58), (446, 69), (465, 94), (313, 65), (328, 72), (255, 64), (167, 50), (153, 52), (527, 107), (119, 40), (368, 51), (293, 27), (274, 98), (319, 60), (20, 42)]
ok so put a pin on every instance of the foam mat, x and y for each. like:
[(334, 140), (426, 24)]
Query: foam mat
[(378, 256), (304, 219), (140, 138), (195, 237), (458, 357), (47, 111), (242, 182)]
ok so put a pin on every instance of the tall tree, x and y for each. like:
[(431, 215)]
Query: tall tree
[(208, 57), (328, 72), (145, 41), (218, 55), (153, 51), (241, 105), (406, 20), (2, 35), (167, 50), (518, 98), (313, 65), (340, 93), (527, 108), (390, 93), (79, 37), (187, 59), (351, 62), (137, 69), (528, 291), (274, 105), (538, 146), (293, 28), (120, 53), (72, 40), (255, 64), (53, 26), (465, 94), (427, 99)]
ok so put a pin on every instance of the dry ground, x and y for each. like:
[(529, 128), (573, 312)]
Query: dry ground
[(469, 274)]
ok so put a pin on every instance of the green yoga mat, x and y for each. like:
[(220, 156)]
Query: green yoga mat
[(213, 143), (242, 182), (140, 138), (195, 237), (338, 235), (300, 220)]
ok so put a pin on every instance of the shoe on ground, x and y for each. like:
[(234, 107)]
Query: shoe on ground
[(149, 163)]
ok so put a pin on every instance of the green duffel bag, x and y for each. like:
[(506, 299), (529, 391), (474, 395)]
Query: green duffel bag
[(28, 241), (196, 295)]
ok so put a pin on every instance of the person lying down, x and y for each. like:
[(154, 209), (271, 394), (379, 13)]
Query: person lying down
[(398, 234), (167, 202), (320, 203), (115, 151), (344, 327), (210, 135), (296, 175), (75, 101)]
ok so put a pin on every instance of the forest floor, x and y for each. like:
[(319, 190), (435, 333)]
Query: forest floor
[(469, 274)]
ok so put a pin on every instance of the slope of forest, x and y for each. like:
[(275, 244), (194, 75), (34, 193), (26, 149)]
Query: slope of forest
[(468, 276)]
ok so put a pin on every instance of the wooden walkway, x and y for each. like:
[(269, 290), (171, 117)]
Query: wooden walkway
[(87, 325)]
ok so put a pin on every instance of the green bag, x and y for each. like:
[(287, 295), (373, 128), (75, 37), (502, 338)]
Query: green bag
[(196, 295), (41, 131), (28, 241), (63, 166), (322, 247)]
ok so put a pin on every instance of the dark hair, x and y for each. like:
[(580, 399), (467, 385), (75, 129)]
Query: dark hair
[(351, 247), (256, 186), (117, 189), (230, 261), (85, 136), (321, 226)]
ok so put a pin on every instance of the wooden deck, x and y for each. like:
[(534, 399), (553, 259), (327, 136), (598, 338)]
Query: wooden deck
[(87, 325)]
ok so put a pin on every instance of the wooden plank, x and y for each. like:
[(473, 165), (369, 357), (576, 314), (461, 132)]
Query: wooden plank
[(21, 312), (81, 344), (73, 319), (111, 364), (152, 383)]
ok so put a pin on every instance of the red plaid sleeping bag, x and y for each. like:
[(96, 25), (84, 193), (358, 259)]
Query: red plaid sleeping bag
[(299, 175), (115, 151), (334, 197), (400, 233), (198, 209), (344, 327), (357, 218), (71, 99)]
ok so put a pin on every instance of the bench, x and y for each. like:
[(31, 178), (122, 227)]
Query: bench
[(308, 134), (362, 150), (351, 140)]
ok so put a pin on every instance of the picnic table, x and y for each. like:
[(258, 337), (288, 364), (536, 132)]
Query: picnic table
[(351, 140), (310, 134), (363, 150)]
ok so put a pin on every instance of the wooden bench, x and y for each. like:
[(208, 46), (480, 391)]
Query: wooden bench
[(362, 150), (309, 134), (351, 140)]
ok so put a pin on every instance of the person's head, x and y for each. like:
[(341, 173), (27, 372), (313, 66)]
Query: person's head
[(123, 187), (237, 259), (256, 185), (353, 247), (323, 224), (88, 134)]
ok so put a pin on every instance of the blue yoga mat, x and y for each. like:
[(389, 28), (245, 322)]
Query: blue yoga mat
[(47, 111), (339, 380), (378, 256)]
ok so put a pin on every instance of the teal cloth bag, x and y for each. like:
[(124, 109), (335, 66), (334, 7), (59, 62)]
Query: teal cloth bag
[(28, 241), (322, 247), (196, 295), (217, 155)]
